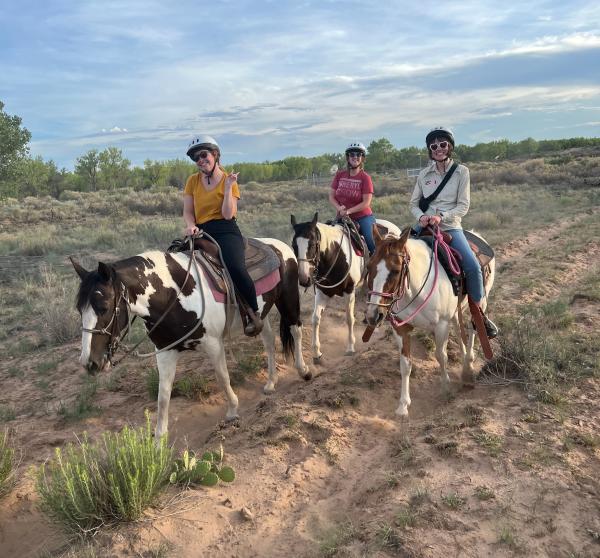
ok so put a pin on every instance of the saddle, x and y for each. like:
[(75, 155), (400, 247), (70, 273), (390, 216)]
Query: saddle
[(356, 240), (262, 263), (482, 250)]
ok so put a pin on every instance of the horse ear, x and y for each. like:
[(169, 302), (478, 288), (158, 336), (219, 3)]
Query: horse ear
[(79, 269), (376, 235), (404, 236), (106, 271), (293, 220), (315, 218)]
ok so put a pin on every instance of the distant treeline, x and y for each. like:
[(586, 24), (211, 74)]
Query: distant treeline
[(22, 175)]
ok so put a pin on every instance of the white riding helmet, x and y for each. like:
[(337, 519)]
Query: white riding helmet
[(357, 146), (203, 142), (439, 132)]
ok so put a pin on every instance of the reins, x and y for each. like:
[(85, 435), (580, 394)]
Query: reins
[(318, 282), (404, 279), (123, 295)]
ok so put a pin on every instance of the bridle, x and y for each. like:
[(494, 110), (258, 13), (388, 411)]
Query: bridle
[(400, 289), (319, 281), (112, 328), (404, 280), (116, 338)]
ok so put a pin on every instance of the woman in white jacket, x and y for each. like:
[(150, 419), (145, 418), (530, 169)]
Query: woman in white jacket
[(448, 208)]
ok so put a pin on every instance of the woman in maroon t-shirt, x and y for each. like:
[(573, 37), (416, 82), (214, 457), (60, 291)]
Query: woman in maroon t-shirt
[(352, 191)]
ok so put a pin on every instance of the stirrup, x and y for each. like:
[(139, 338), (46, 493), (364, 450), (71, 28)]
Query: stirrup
[(254, 327), (491, 329)]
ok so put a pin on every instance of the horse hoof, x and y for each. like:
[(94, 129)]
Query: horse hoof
[(269, 389), (349, 353), (232, 418), (307, 375), (317, 360)]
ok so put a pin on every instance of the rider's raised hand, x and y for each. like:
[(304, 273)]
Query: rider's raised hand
[(231, 179)]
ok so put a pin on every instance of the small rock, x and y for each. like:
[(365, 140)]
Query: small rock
[(246, 514), (227, 502)]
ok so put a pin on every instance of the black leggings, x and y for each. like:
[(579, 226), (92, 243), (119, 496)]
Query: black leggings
[(229, 238)]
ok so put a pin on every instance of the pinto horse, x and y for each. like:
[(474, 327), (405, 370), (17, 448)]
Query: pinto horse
[(156, 287), (409, 285), (327, 260)]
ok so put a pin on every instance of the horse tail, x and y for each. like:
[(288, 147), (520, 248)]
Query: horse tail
[(287, 340), (288, 304)]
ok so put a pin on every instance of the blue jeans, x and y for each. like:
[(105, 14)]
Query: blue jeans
[(469, 263), (365, 226)]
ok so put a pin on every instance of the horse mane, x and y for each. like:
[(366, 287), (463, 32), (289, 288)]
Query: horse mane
[(86, 287)]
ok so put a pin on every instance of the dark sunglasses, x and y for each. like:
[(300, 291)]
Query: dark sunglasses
[(199, 155), (354, 153), (441, 145)]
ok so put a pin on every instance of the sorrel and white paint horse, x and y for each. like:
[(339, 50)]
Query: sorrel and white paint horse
[(327, 260), (407, 282), (151, 286)]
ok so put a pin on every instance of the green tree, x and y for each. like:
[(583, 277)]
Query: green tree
[(13, 143), (87, 167), (114, 168), (380, 155)]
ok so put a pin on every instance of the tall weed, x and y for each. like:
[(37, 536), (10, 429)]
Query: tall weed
[(92, 484)]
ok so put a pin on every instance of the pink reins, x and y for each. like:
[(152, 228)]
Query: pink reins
[(454, 267)]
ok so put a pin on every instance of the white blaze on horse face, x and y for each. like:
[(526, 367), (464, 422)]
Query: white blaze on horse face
[(381, 276), (88, 321), (303, 265)]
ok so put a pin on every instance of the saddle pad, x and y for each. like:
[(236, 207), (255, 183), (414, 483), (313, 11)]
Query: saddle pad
[(263, 285)]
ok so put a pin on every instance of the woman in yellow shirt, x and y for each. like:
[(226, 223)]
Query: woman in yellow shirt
[(210, 204)]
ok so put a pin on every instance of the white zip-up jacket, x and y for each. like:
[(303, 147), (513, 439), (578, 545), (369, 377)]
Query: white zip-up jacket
[(452, 203)]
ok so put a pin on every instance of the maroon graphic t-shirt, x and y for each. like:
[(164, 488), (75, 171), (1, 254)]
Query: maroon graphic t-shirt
[(348, 190)]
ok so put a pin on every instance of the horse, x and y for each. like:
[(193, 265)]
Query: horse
[(327, 260), (180, 313), (406, 280)]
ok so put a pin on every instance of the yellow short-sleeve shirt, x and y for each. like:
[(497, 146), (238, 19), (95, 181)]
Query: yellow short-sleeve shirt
[(208, 203)]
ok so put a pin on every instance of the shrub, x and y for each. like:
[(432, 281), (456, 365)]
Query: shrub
[(92, 484), (7, 464)]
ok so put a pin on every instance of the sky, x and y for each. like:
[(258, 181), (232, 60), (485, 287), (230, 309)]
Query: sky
[(271, 79)]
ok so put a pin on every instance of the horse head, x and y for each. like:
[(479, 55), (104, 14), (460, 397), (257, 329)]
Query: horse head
[(306, 248), (386, 273), (102, 303)]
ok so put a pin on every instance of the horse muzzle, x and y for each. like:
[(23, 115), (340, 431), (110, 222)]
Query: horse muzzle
[(92, 367), (374, 316)]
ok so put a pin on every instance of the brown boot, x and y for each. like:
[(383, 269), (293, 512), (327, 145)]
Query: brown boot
[(254, 327)]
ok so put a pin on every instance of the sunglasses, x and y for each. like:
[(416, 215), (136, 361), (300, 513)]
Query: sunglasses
[(441, 145), (354, 154), (199, 155)]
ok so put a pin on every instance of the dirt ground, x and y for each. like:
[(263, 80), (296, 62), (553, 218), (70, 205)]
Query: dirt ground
[(325, 468)]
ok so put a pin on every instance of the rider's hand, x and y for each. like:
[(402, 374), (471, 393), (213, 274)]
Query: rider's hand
[(424, 220), (231, 179), (342, 211), (191, 231), (435, 220)]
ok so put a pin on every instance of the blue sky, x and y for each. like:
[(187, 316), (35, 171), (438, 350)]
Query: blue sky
[(274, 78)]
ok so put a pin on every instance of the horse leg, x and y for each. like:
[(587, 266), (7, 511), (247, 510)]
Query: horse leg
[(268, 339), (303, 370), (350, 300), (320, 304), (167, 364), (216, 351), (467, 376), (403, 342), (441, 331)]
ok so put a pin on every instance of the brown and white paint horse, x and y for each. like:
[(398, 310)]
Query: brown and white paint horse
[(146, 286), (403, 281), (327, 260)]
